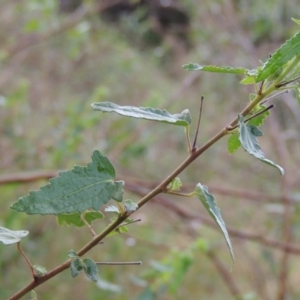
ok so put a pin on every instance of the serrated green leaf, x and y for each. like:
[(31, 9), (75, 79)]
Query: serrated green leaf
[(148, 113), (9, 237), (282, 55), (296, 21), (209, 203), (76, 267), (76, 220), (130, 206), (90, 269), (119, 230), (175, 184), (75, 190), (39, 270), (112, 208), (260, 119), (72, 253), (233, 143), (247, 137), (215, 69)]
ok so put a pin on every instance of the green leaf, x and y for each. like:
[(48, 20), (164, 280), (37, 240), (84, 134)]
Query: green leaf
[(75, 190), (90, 269), (259, 120), (297, 92), (248, 80), (215, 69), (72, 253), (248, 137), (76, 267), (296, 21), (282, 55), (209, 203), (39, 270), (33, 295), (233, 143), (8, 237), (130, 206), (76, 220), (148, 113), (175, 184)]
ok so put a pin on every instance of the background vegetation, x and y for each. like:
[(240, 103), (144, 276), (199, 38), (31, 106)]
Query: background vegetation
[(55, 64)]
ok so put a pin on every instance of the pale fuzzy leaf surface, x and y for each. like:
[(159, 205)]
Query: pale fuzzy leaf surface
[(282, 55), (39, 270), (248, 137), (215, 69), (75, 190), (72, 253), (112, 208), (148, 113), (130, 206), (90, 269), (209, 203), (8, 237), (76, 220)]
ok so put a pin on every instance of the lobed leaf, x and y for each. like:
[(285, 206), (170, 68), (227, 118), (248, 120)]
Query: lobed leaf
[(215, 69), (9, 237), (76, 220), (175, 184), (233, 143), (282, 55), (75, 190), (248, 137), (148, 113), (209, 203)]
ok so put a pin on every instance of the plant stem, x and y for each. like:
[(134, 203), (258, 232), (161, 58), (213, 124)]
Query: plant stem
[(27, 259)]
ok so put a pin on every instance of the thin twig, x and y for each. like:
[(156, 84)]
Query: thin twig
[(198, 124), (116, 263), (27, 259)]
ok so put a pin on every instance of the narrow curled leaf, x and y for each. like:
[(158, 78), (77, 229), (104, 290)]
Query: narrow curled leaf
[(75, 190), (282, 55), (76, 267), (90, 269), (76, 220), (8, 237), (209, 203), (215, 69), (248, 137), (148, 113)]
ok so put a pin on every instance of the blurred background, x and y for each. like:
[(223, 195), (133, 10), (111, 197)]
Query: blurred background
[(59, 56)]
